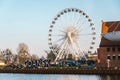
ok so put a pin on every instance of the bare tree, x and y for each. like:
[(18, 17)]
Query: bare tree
[(23, 50), (1, 55), (52, 53), (23, 53), (35, 57), (51, 56), (8, 56)]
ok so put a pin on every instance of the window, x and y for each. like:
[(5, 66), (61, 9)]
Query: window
[(114, 57), (118, 49), (113, 49), (108, 49), (118, 57), (108, 57)]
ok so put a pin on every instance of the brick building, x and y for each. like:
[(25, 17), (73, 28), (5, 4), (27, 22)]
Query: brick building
[(109, 48)]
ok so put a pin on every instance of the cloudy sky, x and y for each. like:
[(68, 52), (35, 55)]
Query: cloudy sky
[(28, 21)]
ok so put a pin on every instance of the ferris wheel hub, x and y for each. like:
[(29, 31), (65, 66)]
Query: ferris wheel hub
[(72, 34)]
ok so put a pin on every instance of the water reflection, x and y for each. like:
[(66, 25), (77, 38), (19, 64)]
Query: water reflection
[(109, 77), (57, 77)]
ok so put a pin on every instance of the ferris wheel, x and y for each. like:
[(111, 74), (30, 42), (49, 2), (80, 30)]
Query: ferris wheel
[(73, 32)]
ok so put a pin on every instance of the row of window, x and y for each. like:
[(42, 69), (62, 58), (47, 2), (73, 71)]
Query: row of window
[(113, 49), (113, 57)]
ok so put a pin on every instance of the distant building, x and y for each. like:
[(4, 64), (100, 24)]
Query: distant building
[(109, 48), (93, 56), (2, 63)]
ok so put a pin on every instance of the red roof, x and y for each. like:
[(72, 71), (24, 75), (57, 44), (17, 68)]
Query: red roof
[(113, 26), (109, 27)]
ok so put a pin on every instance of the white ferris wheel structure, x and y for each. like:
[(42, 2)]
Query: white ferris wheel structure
[(73, 32)]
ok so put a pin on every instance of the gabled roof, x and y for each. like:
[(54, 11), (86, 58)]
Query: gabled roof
[(110, 26)]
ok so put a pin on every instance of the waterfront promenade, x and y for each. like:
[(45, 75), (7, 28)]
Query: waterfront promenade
[(64, 70)]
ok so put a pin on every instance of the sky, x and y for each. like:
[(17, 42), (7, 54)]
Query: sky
[(28, 21)]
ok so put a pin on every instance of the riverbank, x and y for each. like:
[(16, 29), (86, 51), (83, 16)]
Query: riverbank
[(62, 70)]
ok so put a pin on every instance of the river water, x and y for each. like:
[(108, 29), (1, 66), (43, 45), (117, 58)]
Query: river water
[(9, 76)]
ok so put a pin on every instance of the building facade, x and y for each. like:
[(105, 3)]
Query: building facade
[(109, 48)]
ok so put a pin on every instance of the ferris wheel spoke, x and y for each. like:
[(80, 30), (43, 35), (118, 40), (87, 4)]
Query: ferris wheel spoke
[(84, 43), (76, 52), (73, 16), (59, 26), (62, 47), (64, 51), (85, 52), (63, 21), (84, 49), (61, 39), (60, 42), (59, 35), (62, 31), (76, 18), (72, 49), (67, 19), (81, 51), (67, 48), (70, 19), (85, 34), (79, 20), (81, 25)]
